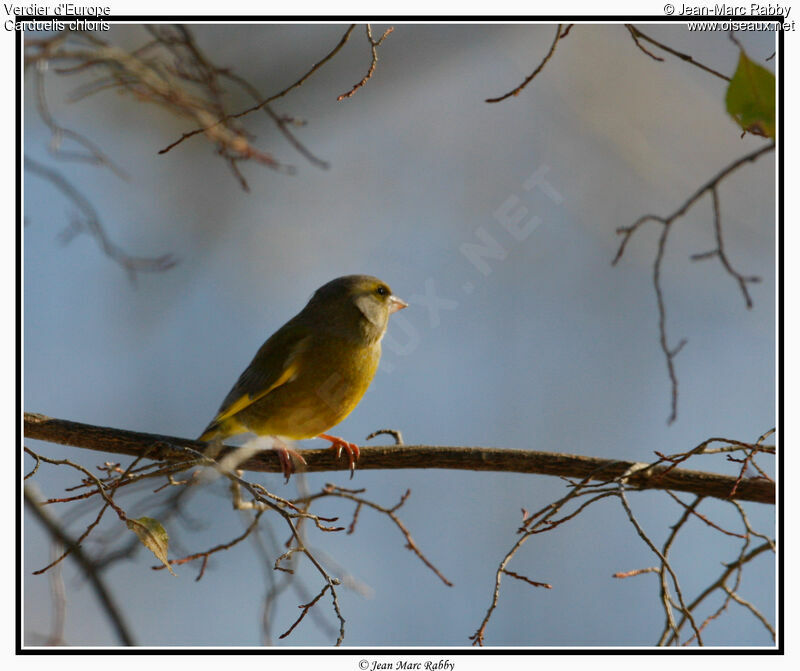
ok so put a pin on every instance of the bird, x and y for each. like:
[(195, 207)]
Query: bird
[(313, 371)]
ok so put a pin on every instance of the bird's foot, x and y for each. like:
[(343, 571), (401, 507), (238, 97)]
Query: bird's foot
[(287, 457), (340, 444)]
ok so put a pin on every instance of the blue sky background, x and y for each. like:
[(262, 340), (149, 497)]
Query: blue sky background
[(552, 350)]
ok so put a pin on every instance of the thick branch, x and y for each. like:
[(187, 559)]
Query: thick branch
[(169, 448)]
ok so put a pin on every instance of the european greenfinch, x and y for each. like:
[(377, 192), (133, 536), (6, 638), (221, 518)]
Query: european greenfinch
[(312, 372)]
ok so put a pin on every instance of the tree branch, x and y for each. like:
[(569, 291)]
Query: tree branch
[(627, 232), (91, 224), (88, 566), (271, 98), (637, 475)]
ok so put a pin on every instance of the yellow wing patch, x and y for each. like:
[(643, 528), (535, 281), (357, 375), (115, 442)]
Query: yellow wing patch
[(246, 400)]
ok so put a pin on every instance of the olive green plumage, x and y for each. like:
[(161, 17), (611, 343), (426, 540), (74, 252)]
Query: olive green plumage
[(314, 370)]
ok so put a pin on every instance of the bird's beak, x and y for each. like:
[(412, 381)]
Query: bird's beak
[(396, 304)]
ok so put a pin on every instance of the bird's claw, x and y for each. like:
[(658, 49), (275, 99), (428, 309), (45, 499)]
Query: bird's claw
[(339, 444), (285, 455)]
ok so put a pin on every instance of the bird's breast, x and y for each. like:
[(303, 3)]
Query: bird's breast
[(332, 378)]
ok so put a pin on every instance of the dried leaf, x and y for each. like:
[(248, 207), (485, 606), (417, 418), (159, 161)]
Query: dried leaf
[(153, 536)]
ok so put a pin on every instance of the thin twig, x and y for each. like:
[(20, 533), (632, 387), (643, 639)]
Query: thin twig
[(374, 44), (217, 548), (757, 613), (271, 98), (306, 607), (394, 433), (531, 524), (281, 122), (691, 509), (182, 81), (687, 612), (718, 584), (666, 222), (719, 252), (637, 34), (635, 37), (265, 498), (101, 488), (527, 580), (635, 572), (334, 491), (515, 92)]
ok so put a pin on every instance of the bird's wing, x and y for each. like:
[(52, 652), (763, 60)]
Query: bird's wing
[(275, 364)]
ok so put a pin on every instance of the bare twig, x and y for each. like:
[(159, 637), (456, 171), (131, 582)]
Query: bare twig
[(734, 566), (314, 68), (101, 489), (637, 34), (104, 489), (530, 525), (691, 509), (36, 465), (515, 92), (635, 572), (731, 445), (217, 548), (545, 520), (757, 613), (332, 490), (92, 225), (719, 252), (270, 501), (635, 37), (305, 607), (666, 222), (170, 71), (667, 600), (89, 528), (93, 153), (527, 580), (374, 44), (394, 433), (282, 122)]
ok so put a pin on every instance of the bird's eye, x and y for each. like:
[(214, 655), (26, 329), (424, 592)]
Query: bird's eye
[(382, 291)]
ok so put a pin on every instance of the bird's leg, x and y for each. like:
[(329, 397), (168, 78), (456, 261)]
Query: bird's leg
[(340, 444), (285, 454)]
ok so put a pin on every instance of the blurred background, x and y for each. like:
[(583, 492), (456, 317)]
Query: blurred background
[(543, 345)]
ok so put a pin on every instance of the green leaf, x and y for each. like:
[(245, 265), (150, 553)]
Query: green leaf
[(153, 536), (750, 99)]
